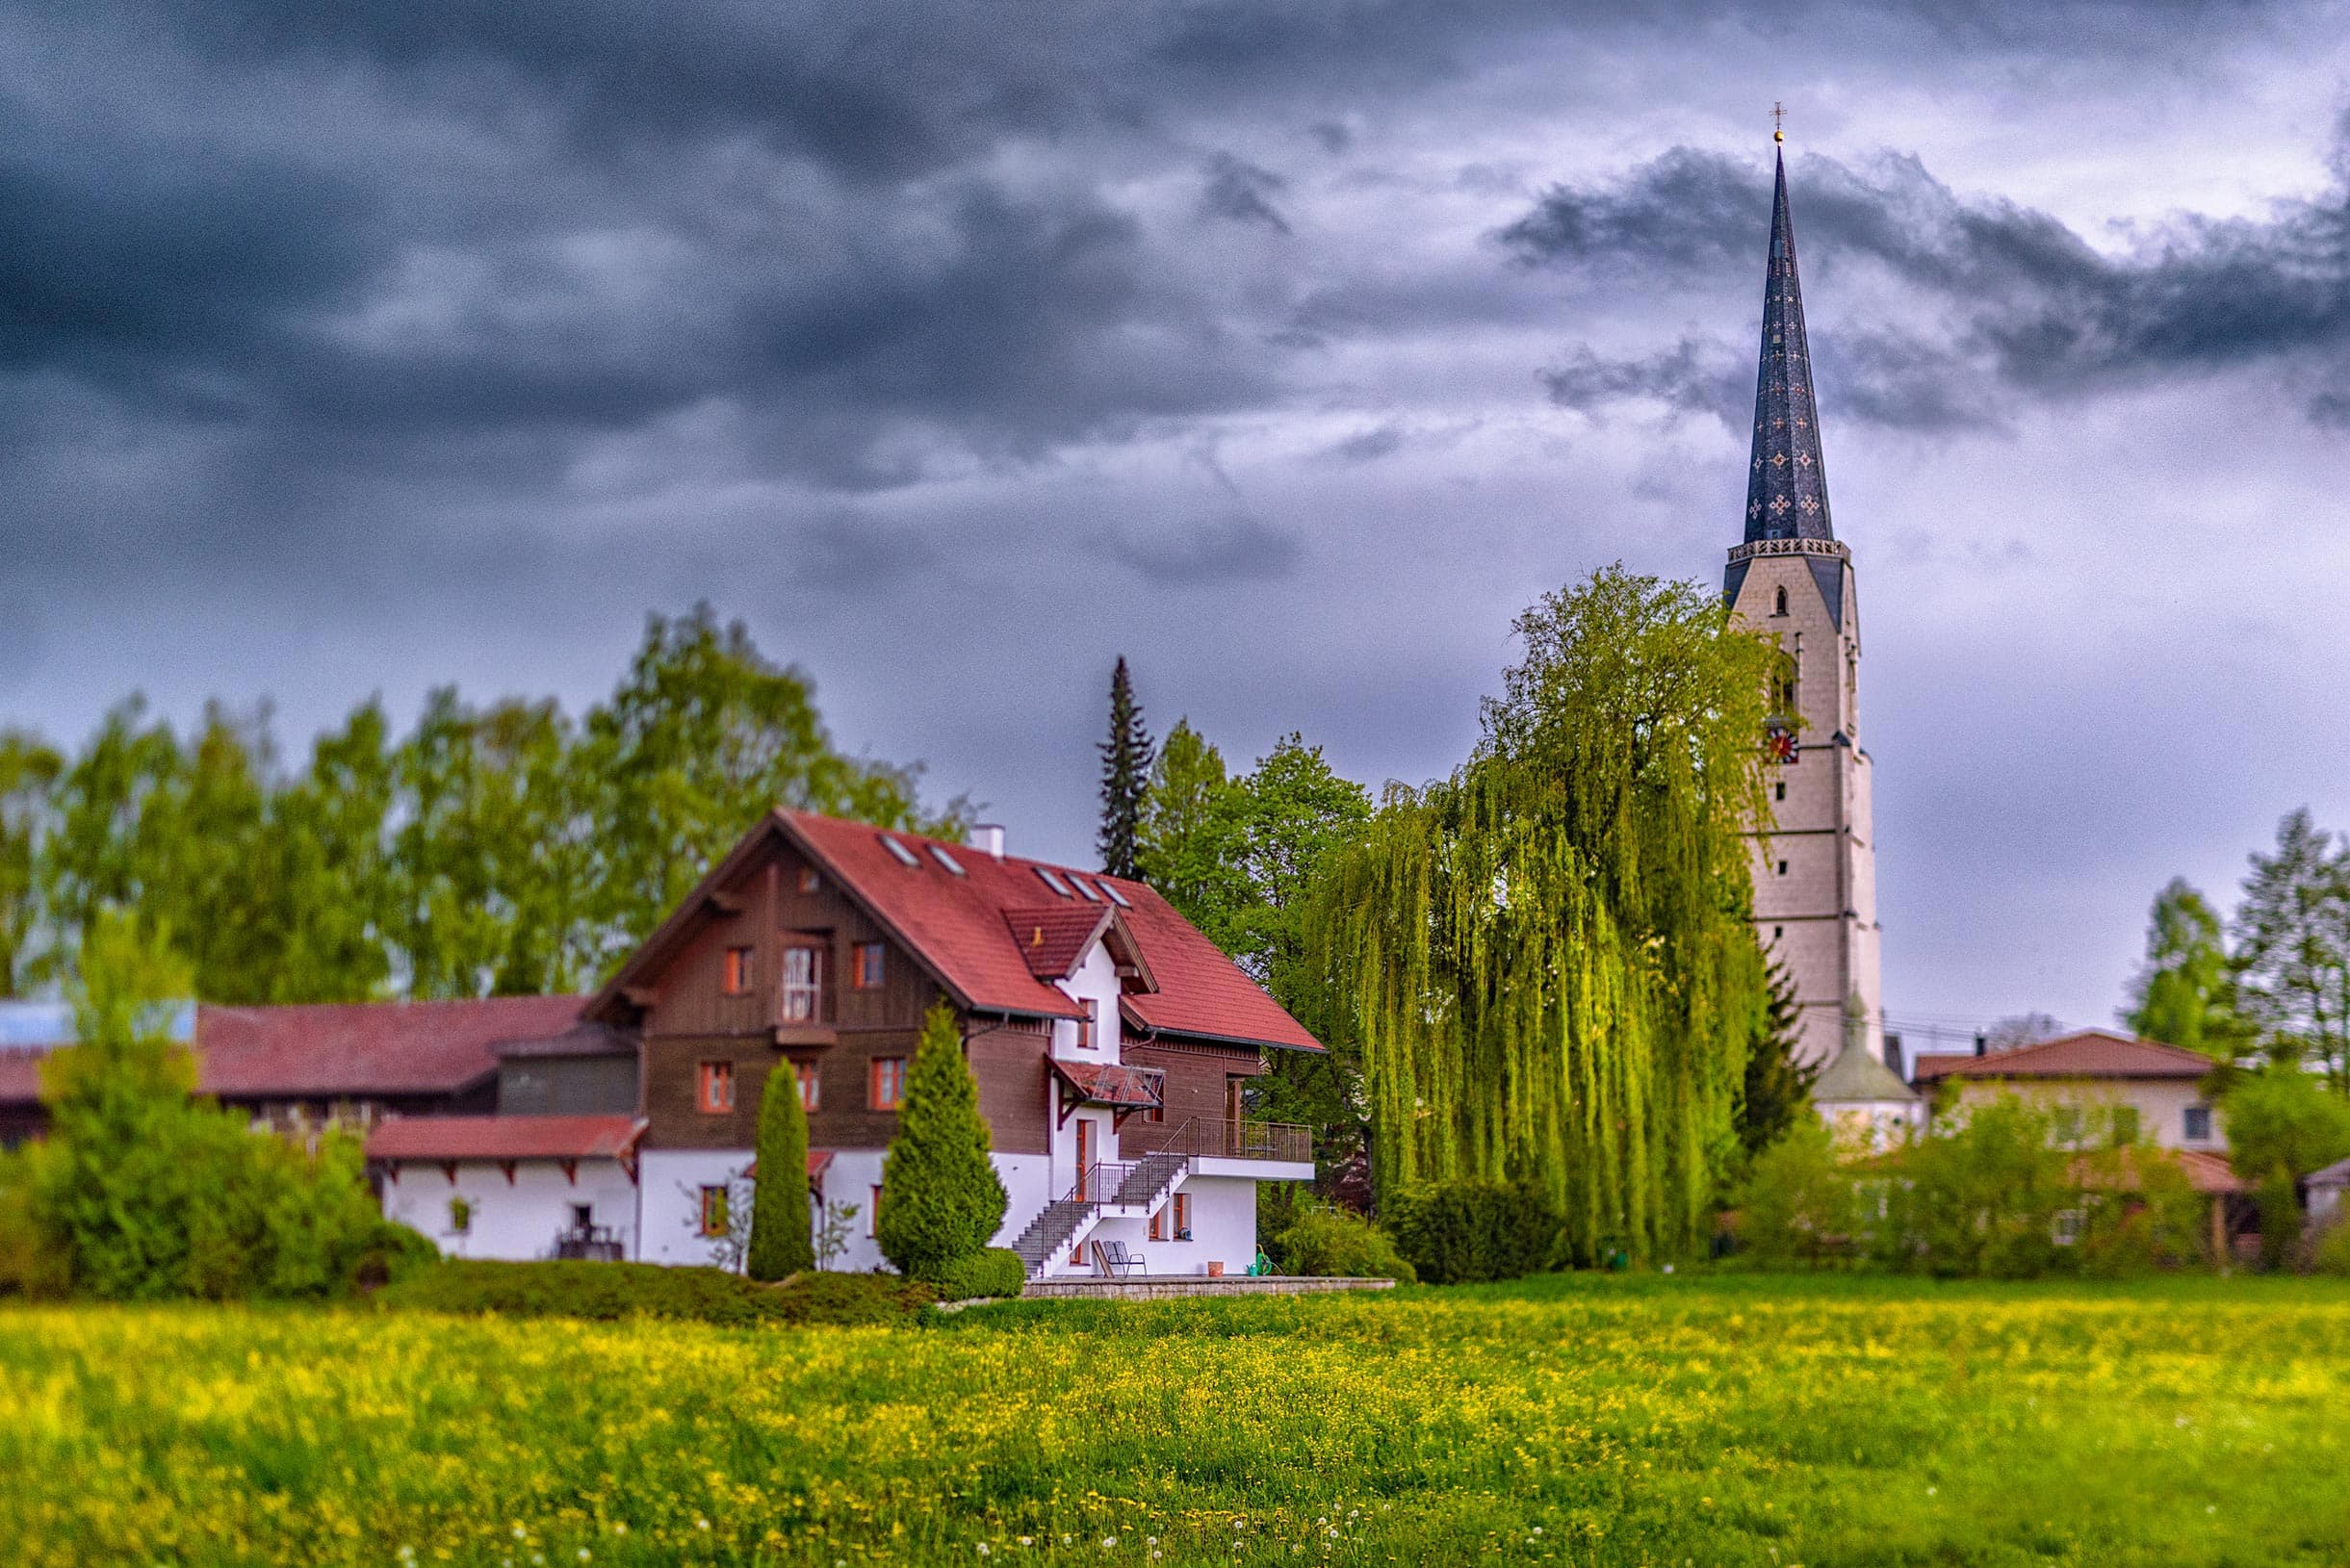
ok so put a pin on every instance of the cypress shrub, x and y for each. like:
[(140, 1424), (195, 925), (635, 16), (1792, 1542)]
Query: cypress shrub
[(782, 1234), (1455, 1232), (940, 1201)]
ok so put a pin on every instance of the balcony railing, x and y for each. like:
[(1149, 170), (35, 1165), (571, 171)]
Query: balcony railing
[(1208, 1137), (1098, 1182), (600, 1243)]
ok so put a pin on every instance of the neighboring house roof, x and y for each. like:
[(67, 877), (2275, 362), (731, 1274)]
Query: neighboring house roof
[(2337, 1175), (954, 923), (365, 1047), (504, 1138), (579, 1040), (2205, 1173), (330, 1050), (2090, 1053), (1856, 1077), (819, 1161)]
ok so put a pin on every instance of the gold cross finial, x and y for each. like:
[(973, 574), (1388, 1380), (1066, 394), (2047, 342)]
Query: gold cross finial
[(1778, 121)]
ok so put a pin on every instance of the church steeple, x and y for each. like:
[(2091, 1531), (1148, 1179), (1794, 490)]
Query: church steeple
[(1787, 485)]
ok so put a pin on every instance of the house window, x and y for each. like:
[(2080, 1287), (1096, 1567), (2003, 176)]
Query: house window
[(2198, 1127), (803, 984), (713, 1210), (1086, 1024), (1778, 792), (809, 882), (718, 1088), (869, 966), (1182, 1217), (888, 1085), (1779, 603), (2125, 1124), (738, 974), (804, 1075), (2065, 1124), (582, 1217), (872, 1213), (1782, 868)]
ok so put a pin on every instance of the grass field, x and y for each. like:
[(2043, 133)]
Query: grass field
[(1666, 1421)]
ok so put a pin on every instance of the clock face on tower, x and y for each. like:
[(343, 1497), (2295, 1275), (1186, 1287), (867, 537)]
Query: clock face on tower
[(1779, 744)]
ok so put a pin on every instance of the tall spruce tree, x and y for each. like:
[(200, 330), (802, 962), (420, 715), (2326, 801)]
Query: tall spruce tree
[(1778, 1088), (1126, 778), (782, 1231), (940, 1201)]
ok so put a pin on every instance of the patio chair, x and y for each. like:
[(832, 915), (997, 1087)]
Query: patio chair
[(1113, 1261)]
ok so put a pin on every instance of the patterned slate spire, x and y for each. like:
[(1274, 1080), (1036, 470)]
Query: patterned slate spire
[(1787, 485)]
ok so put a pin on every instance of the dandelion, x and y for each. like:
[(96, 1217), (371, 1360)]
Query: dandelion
[(583, 1554), (700, 1524), (1027, 1540), (985, 1550), (1108, 1541), (620, 1527)]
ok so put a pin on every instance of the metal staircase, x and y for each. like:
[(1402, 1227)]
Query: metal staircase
[(1066, 1221)]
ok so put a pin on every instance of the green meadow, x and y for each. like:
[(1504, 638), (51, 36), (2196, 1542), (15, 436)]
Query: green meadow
[(1705, 1420)]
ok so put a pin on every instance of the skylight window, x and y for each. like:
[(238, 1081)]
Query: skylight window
[(1086, 887), (905, 856), (1052, 882), (937, 853), (1116, 897)]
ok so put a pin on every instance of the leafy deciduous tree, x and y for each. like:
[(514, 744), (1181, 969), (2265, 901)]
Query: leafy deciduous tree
[(2183, 995)]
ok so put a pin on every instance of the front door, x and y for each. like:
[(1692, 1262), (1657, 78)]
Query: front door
[(1085, 1151)]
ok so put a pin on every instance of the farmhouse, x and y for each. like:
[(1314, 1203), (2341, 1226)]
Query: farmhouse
[(2139, 1087), (1113, 1045)]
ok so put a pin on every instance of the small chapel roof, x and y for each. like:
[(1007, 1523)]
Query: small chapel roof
[(1856, 1078)]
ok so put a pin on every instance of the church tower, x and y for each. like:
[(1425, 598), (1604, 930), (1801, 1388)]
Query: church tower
[(1815, 867)]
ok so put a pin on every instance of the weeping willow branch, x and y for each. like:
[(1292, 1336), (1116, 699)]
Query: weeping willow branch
[(1547, 960)]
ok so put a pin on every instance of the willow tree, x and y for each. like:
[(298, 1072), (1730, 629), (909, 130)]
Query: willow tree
[(1547, 960)]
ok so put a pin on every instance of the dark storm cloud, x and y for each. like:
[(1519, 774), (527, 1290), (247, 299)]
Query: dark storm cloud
[(1237, 549), (1240, 190), (2024, 303), (1690, 378)]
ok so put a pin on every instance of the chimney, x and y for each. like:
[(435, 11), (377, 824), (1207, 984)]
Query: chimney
[(989, 837), (1982, 1043), (1893, 1055)]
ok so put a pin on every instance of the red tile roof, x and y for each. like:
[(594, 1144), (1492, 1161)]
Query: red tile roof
[(955, 925), (328, 1050), (2090, 1053), (1052, 938), (365, 1047), (504, 1138), (2204, 1171), (819, 1160)]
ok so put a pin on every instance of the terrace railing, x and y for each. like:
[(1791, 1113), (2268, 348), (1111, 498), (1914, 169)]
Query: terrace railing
[(1212, 1139)]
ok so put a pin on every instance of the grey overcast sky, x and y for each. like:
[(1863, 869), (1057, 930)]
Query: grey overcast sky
[(1287, 346)]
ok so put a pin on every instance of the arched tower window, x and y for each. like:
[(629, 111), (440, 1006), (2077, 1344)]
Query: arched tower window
[(1779, 603)]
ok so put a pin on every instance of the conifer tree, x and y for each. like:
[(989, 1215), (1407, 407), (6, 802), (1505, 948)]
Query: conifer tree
[(781, 1237), (1777, 1088), (1125, 777), (940, 1201)]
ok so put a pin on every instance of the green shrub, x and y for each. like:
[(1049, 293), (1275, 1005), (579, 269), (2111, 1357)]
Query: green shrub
[(782, 1236), (143, 1192), (1799, 1207), (392, 1253), (851, 1301), (996, 1272), (2278, 1202), (1981, 1197), (610, 1291), (1341, 1244), (2331, 1254), (941, 1199), (28, 1266), (600, 1291), (1455, 1232)]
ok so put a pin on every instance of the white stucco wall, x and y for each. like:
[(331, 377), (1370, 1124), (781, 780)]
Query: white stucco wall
[(670, 1211), (514, 1221), (2161, 1103)]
